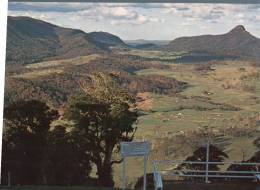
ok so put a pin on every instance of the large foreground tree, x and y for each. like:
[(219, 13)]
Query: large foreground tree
[(103, 116), (26, 127)]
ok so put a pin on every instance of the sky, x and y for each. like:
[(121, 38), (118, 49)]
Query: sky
[(150, 21)]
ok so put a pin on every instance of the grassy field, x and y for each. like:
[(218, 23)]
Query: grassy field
[(53, 67), (226, 96), (159, 55)]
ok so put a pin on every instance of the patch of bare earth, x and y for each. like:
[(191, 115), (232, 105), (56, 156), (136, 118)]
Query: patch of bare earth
[(144, 101)]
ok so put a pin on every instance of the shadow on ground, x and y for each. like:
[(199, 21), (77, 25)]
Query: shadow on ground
[(170, 185)]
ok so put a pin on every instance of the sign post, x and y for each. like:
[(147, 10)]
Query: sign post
[(134, 149), (207, 164)]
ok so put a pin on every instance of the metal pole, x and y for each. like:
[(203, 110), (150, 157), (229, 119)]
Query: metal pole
[(123, 174), (145, 165), (207, 164), (9, 179)]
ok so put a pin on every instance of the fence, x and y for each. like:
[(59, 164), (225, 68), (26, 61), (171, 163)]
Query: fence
[(251, 173), (245, 174)]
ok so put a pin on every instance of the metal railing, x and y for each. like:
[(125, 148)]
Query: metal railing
[(253, 174), (157, 177)]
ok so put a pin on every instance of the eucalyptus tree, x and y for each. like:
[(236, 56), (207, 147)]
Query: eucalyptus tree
[(103, 116)]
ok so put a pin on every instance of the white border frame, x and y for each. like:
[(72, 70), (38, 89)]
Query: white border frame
[(3, 29)]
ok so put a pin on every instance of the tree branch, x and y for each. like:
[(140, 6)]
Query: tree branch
[(116, 161)]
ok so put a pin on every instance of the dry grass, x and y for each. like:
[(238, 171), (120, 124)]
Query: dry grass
[(39, 73), (54, 67), (63, 62)]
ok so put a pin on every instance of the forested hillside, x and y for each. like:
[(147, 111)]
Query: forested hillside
[(30, 40)]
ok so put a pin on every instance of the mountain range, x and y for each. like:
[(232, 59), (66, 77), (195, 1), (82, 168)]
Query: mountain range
[(31, 40)]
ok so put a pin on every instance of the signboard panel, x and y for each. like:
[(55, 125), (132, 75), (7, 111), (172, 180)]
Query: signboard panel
[(129, 149)]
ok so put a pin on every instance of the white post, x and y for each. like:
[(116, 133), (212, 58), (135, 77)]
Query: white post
[(207, 164), (123, 174), (145, 165)]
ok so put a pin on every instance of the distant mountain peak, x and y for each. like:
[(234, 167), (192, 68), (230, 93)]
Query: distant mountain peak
[(238, 42), (238, 29)]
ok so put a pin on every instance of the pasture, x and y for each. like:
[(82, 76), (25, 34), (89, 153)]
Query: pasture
[(224, 99)]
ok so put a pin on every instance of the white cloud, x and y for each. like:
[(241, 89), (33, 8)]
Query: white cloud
[(121, 11), (212, 12), (116, 13)]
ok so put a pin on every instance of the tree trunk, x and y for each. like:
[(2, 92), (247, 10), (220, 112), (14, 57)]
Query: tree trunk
[(104, 173)]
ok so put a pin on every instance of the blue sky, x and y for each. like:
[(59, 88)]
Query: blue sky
[(153, 21)]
